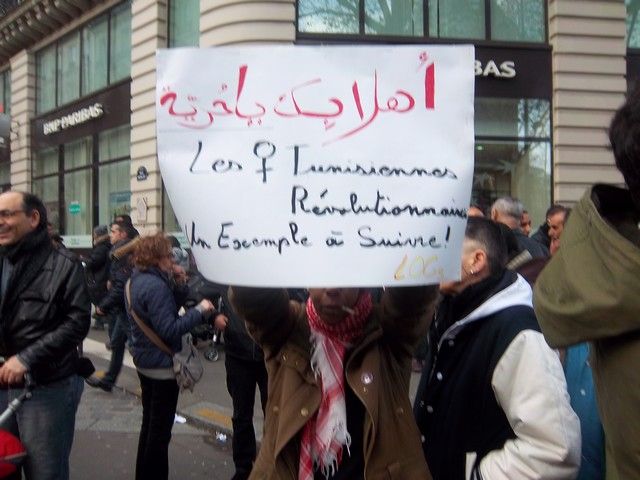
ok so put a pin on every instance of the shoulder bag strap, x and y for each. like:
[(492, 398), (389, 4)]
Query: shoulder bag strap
[(151, 335)]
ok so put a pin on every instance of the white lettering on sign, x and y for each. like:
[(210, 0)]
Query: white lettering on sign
[(73, 119), (506, 69)]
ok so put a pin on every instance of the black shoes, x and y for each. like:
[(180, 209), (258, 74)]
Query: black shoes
[(98, 383)]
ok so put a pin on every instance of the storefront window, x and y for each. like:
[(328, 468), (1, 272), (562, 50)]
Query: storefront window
[(70, 193), (77, 203), (518, 20), (77, 153), (120, 57), (95, 56), (402, 17), (45, 162), (46, 79), (184, 23), (169, 220), (69, 69), (5, 92), (457, 18), (500, 20), (95, 44), (513, 153), (114, 177), (633, 23), (47, 189)]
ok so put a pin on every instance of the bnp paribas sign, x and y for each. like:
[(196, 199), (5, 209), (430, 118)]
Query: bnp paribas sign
[(80, 116)]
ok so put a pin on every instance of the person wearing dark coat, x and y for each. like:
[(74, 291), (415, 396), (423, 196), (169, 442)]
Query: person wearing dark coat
[(155, 294), (96, 267), (45, 315), (113, 303), (508, 211), (244, 364)]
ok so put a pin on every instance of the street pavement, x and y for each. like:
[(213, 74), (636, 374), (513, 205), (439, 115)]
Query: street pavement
[(106, 441), (108, 423)]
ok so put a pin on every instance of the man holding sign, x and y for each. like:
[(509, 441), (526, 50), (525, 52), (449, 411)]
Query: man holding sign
[(339, 369)]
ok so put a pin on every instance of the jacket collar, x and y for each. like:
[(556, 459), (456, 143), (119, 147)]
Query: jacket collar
[(517, 293)]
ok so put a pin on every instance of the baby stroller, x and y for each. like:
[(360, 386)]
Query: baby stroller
[(12, 452)]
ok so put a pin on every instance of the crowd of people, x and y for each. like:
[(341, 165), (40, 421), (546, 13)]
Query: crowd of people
[(527, 363)]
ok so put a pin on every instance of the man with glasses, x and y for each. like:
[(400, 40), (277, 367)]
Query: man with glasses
[(45, 315)]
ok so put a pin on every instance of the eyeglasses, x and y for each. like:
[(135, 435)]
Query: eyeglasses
[(6, 214)]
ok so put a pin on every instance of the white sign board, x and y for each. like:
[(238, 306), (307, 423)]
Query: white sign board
[(311, 166)]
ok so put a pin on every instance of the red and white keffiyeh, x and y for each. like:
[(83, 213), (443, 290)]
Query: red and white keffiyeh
[(325, 434)]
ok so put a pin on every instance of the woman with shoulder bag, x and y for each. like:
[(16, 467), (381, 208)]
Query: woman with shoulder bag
[(153, 297)]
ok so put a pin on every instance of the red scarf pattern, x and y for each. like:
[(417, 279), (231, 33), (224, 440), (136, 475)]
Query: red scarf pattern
[(325, 434)]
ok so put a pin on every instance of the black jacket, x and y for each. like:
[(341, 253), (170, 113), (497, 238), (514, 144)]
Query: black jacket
[(237, 342), (45, 312), (535, 248), (119, 273), (97, 269), (492, 401)]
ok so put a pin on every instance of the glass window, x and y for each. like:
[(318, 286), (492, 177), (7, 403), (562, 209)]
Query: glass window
[(47, 190), (457, 18), (184, 23), (328, 16), (519, 163), (87, 166), (508, 117), (46, 79), (511, 20), (69, 69), (5, 176), (95, 45), (77, 202), (518, 20), (169, 220), (5, 92), (120, 57), (114, 178), (114, 191), (45, 162), (400, 17), (633, 23), (114, 143), (77, 153)]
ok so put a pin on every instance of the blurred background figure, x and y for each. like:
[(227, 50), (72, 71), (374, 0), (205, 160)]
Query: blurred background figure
[(525, 223), (96, 267)]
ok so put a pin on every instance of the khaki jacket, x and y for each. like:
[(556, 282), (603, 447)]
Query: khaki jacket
[(590, 291), (378, 371)]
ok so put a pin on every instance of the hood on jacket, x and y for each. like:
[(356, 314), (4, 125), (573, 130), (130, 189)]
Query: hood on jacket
[(101, 239), (517, 293), (589, 289), (123, 247)]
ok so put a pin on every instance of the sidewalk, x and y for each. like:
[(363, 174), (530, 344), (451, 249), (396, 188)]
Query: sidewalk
[(208, 407)]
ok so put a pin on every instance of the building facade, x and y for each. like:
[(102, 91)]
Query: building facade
[(77, 89)]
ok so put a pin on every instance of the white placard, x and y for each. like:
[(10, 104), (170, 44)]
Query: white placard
[(303, 166)]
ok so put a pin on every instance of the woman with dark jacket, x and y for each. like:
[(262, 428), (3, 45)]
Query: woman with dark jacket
[(157, 289)]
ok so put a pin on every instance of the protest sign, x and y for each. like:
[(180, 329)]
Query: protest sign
[(313, 166)]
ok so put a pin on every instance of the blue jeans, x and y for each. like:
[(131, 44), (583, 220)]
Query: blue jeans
[(118, 340), (45, 424)]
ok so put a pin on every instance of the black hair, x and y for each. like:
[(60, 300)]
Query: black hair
[(126, 219), (557, 208), (126, 228), (31, 202), (624, 135), (488, 234)]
